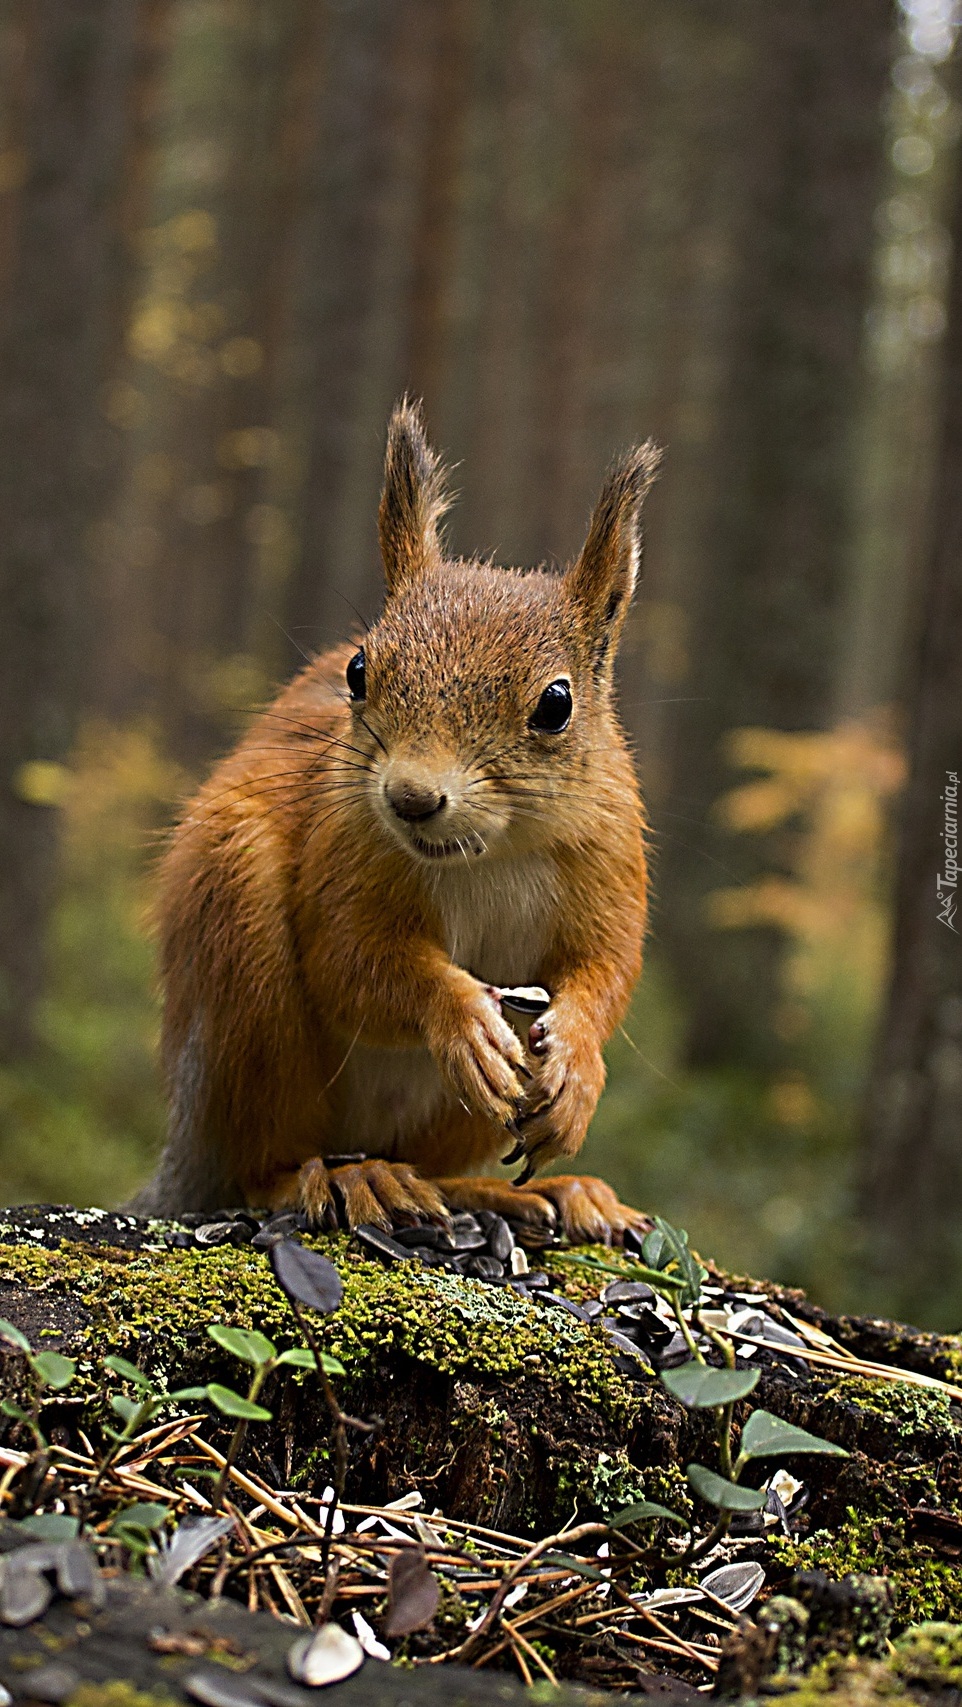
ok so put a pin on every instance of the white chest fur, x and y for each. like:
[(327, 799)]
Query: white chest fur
[(496, 916)]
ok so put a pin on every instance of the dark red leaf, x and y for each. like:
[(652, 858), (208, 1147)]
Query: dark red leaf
[(306, 1275), (413, 1593)]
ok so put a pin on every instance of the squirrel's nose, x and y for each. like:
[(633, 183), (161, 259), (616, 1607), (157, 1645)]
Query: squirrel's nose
[(414, 800)]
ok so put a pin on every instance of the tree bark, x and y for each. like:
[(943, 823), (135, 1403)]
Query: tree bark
[(58, 258), (767, 603), (912, 1157)]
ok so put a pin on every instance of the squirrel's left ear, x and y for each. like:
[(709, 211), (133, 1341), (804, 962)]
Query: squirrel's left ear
[(413, 500), (604, 577)]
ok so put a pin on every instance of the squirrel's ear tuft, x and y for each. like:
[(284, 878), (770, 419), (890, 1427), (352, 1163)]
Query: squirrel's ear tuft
[(604, 577), (413, 500)]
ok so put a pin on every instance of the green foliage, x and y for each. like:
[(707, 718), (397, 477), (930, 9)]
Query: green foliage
[(53, 1370), (666, 1248), (759, 1171), (81, 1122), (702, 1388), (643, 1511), (249, 1346), (234, 1404), (137, 1526), (47, 1370), (719, 1491), (766, 1436)]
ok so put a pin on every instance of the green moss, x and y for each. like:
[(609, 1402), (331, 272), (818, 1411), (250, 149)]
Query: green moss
[(924, 1587), (926, 1658), (930, 1654), (117, 1694), (909, 1410), (163, 1300), (855, 1682)]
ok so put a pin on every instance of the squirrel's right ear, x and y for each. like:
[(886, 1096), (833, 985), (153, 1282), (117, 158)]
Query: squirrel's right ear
[(413, 500), (603, 579)]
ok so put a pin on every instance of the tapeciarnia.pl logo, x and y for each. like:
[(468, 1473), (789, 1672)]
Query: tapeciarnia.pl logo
[(948, 880)]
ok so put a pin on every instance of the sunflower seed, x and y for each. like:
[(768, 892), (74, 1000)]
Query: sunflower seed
[(220, 1688), (624, 1344), (737, 1585), (329, 1656), (77, 1572), (24, 1594), (525, 999), (485, 1268), (51, 1683), (675, 1352), (627, 1292), (519, 1262), (564, 1304), (465, 1222), (648, 1326), (420, 1235), (500, 1239), (224, 1233), (381, 1244), (374, 1649), (468, 1239)]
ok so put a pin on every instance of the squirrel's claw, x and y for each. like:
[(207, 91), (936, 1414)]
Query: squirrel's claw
[(373, 1193), (588, 1211)]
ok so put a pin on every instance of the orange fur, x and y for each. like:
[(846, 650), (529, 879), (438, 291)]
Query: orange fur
[(327, 963)]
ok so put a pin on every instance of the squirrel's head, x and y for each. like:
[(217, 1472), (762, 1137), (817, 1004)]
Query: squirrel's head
[(483, 694)]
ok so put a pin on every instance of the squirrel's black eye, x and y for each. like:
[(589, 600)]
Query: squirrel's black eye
[(355, 675), (553, 710)]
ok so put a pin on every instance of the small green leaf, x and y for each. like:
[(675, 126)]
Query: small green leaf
[(765, 1436), (10, 1409), (50, 1526), (187, 1393), (251, 1347), (54, 1371), (727, 1496), (700, 1387), (299, 1356), (147, 1515), (128, 1372), (13, 1336), (636, 1271), (234, 1405), (644, 1511), (689, 1271), (126, 1409), (655, 1248), (577, 1567)]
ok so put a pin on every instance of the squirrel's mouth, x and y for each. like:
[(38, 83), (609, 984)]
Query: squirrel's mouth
[(465, 847)]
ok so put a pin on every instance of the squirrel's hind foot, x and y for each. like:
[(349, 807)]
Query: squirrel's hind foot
[(581, 1206), (372, 1192)]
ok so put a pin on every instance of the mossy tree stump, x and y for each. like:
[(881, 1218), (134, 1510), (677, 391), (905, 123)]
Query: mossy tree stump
[(500, 1412)]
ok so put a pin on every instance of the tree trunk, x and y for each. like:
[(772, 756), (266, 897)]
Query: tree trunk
[(764, 634), (913, 1158), (58, 258)]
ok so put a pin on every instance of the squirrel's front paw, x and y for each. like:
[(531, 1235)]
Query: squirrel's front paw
[(484, 1059), (560, 1104)]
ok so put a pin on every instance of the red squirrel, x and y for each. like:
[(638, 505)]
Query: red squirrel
[(441, 808)]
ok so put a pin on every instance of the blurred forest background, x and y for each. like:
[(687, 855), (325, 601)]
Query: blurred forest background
[(232, 232)]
